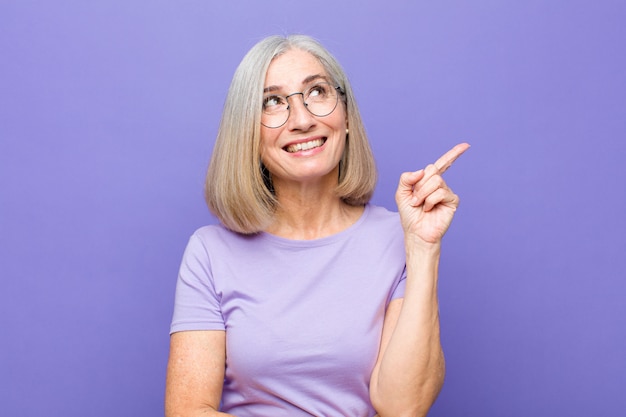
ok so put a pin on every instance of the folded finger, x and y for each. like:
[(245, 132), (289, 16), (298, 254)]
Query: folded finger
[(440, 196), (408, 180), (427, 187)]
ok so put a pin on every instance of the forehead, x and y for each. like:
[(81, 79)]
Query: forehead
[(291, 69)]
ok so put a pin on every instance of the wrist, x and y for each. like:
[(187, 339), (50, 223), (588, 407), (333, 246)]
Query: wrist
[(416, 246)]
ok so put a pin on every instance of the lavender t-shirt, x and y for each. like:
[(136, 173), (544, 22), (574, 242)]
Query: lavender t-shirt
[(303, 319)]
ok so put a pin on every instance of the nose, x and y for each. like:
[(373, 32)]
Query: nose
[(299, 117)]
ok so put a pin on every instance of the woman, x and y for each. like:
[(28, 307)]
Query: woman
[(307, 300)]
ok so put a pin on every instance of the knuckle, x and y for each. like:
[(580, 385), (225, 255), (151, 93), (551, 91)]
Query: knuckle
[(432, 168)]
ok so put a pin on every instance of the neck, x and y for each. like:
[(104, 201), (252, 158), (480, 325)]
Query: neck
[(311, 212)]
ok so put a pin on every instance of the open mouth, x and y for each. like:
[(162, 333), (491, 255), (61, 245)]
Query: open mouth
[(305, 146)]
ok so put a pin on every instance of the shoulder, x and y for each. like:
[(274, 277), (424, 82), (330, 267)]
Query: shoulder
[(378, 226), (218, 233), (211, 232), (382, 219), (216, 240), (380, 213)]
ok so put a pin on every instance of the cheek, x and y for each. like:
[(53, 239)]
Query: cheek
[(268, 138), (342, 116), (265, 135), (267, 150)]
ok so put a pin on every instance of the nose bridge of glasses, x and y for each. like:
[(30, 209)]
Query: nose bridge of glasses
[(287, 97), (295, 94), (290, 102)]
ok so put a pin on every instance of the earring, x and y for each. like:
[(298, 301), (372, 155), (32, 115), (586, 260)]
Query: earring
[(347, 131)]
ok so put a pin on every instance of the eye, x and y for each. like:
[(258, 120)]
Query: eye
[(318, 90), (273, 102)]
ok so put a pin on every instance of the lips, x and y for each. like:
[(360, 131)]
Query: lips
[(304, 146)]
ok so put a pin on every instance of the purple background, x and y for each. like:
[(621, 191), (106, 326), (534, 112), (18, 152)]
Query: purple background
[(108, 110)]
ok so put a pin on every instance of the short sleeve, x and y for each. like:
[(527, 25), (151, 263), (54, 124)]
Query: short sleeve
[(398, 291), (197, 304)]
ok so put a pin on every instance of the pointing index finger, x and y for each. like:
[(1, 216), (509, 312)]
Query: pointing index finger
[(449, 157)]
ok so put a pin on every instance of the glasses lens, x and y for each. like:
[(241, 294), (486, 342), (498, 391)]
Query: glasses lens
[(321, 99), (275, 111)]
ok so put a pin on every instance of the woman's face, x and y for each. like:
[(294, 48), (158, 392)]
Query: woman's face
[(307, 148)]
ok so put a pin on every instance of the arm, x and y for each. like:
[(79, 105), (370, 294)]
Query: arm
[(410, 368), (195, 374)]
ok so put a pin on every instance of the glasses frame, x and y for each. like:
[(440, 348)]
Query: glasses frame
[(306, 106)]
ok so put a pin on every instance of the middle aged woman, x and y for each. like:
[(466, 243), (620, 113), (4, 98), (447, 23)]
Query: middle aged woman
[(307, 300)]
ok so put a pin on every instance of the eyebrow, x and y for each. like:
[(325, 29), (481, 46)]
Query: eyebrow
[(307, 80)]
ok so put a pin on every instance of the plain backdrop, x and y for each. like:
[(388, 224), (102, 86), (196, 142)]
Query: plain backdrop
[(108, 111)]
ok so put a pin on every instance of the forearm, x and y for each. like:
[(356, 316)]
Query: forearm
[(411, 371)]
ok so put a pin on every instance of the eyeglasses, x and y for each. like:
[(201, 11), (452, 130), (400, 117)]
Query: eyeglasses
[(320, 100)]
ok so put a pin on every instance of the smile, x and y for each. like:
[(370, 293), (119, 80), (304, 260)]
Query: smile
[(304, 146)]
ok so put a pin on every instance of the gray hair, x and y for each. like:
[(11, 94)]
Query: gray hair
[(237, 187)]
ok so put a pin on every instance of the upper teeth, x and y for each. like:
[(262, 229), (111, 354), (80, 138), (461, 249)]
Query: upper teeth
[(305, 145)]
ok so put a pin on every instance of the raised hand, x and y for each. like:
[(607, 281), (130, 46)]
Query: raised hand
[(425, 202)]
